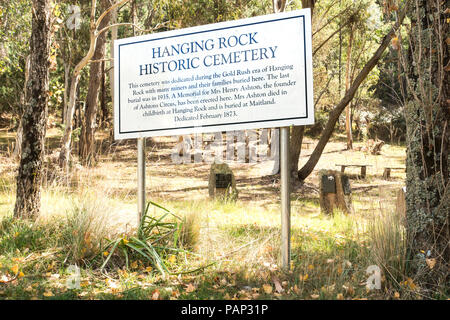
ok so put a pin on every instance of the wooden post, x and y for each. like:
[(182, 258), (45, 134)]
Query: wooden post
[(363, 171), (386, 173)]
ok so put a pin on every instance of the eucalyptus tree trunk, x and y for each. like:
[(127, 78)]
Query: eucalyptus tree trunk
[(29, 178), (427, 113), (66, 91), (114, 32), (23, 98), (348, 116), (87, 141), (64, 154)]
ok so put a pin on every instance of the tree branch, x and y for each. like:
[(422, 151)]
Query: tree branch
[(115, 5), (159, 25), (306, 170)]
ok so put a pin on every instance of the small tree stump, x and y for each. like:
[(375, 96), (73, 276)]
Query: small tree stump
[(335, 191), (376, 148), (386, 173), (222, 183), (400, 204)]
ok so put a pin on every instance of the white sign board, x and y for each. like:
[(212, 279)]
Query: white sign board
[(243, 74)]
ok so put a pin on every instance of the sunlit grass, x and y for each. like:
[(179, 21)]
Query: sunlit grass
[(238, 241)]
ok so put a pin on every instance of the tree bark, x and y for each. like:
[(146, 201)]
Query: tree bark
[(87, 141), (295, 145), (306, 170), (66, 90), (427, 116), (278, 5), (103, 103), (295, 148), (114, 31), (29, 178), (23, 98), (348, 111), (64, 154)]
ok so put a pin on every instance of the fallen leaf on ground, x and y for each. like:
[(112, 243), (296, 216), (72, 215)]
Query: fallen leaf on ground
[(155, 295), (175, 293), (349, 289), (339, 269), (267, 288), (48, 294), (190, 288), (15, 269), (277, 284), (431, 262)]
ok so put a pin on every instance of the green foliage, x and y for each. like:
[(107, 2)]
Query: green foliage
[(156, 239), (15, 30), (17, 234)]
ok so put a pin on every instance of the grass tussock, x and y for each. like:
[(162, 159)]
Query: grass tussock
[(85, 230), (388, 242)]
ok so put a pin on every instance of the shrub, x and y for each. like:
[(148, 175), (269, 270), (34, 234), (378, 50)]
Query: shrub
[(158, 238)]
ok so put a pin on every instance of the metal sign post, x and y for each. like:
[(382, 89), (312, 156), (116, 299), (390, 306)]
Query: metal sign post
[(285, 198), (141, 178)]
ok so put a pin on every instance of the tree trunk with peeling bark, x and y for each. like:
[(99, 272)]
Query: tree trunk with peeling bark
[(29, 178), (64, 154), (348, 109), (87, 139), (23, 98)]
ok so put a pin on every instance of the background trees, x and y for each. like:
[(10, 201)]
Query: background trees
[(392, 82), (337, 61), (74, 90)]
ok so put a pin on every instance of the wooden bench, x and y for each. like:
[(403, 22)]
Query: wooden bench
[(387, 171), (362, 166), (307, 144)]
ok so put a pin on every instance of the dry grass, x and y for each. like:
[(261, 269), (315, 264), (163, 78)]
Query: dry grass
[(329, 254)]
